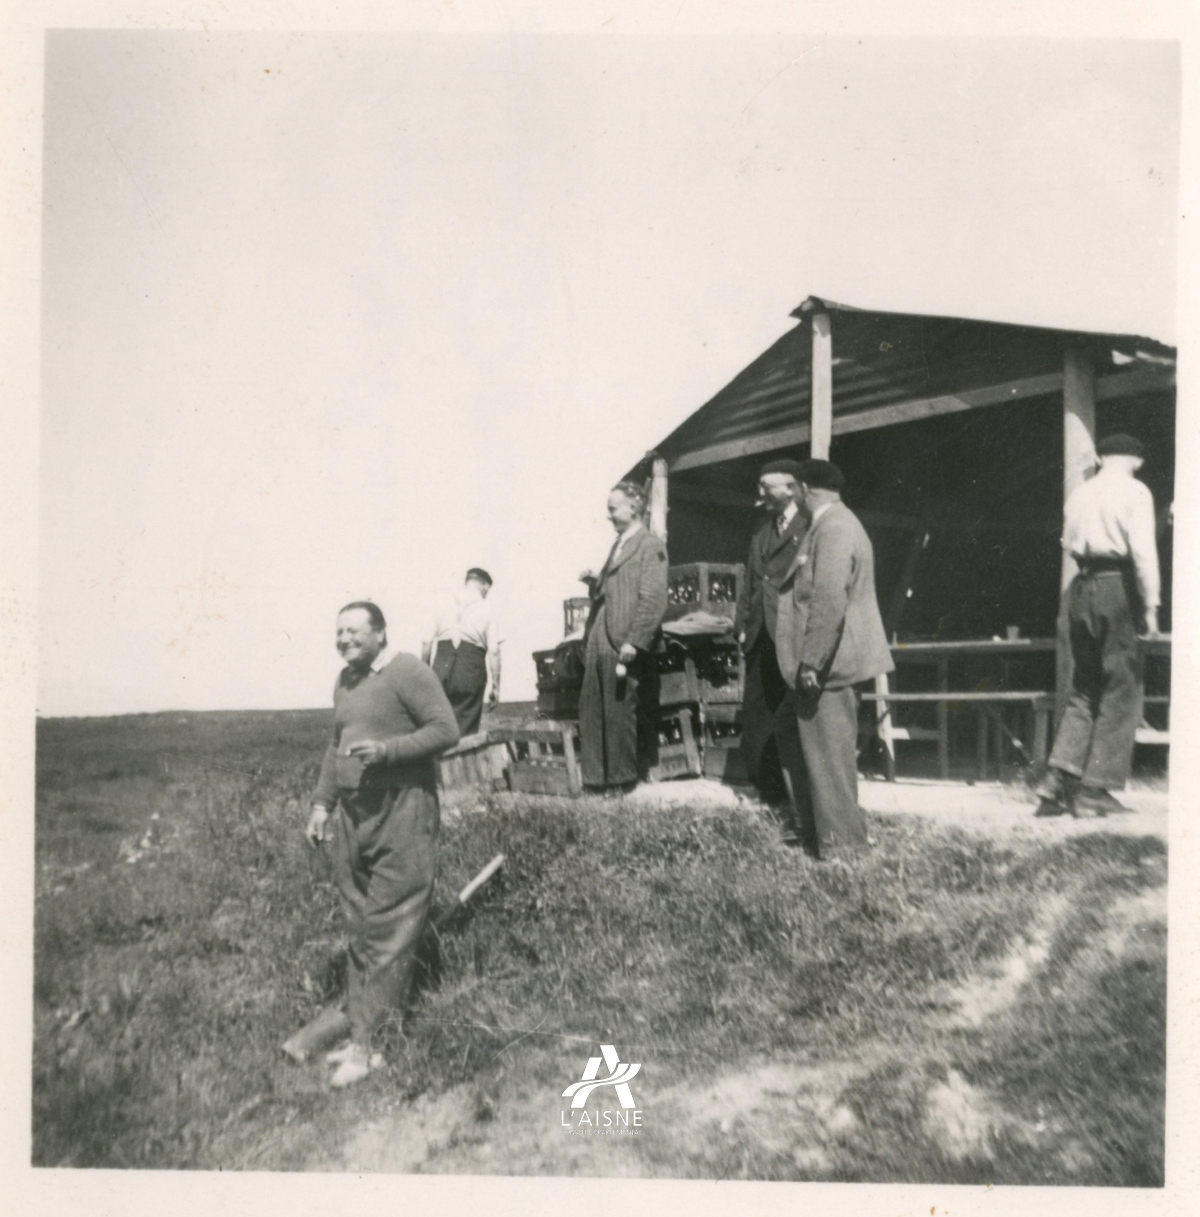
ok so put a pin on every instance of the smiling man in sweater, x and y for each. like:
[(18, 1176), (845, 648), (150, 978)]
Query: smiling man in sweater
[(391, 719)]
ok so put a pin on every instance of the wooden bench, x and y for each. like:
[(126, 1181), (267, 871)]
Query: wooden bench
[(987, 705)]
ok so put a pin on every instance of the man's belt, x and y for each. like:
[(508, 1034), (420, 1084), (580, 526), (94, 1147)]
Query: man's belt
[(474, 646), (1095, 566)]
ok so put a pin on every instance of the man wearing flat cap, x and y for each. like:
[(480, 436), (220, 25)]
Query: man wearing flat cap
[(463, 648), (829, 637), (1109, 531), (772, 549)]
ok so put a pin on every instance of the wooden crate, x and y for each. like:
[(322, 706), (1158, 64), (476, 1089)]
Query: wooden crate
[(726, 765), (709, 587), (678, 747), (476, 760), (678, 684), (559, 703), (722, 736), (557, 696), (542, 760), (721, 669)]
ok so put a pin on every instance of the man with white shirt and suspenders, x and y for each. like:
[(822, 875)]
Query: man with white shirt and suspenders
[(463, 649), (1109, 530)]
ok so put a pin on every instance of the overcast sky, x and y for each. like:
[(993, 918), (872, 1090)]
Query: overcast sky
[(337, 316)]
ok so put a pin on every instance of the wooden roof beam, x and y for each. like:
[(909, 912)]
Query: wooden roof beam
[(1108, 388)]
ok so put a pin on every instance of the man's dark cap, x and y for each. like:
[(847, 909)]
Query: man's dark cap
[(791, 468), (477, 572), (1120, 444), (821, 475)]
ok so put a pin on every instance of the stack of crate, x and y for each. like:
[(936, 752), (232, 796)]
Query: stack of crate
[(560, 671), (701, 677), (557, 694)]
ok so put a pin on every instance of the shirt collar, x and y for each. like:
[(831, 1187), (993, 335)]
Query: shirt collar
[(634, 526), (789, 513), (382, 660)]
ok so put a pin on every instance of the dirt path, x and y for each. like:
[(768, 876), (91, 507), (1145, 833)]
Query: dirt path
[(989, 808)]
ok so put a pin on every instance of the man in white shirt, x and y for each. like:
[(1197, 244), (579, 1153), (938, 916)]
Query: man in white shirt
[(464, 651), (1109, 530)]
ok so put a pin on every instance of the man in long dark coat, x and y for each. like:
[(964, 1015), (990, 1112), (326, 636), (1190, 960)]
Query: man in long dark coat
[(829, 637), (618, 702), (772, 549)]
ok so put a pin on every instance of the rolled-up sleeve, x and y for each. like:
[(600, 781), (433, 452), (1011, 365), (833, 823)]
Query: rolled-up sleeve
[(1143, 542)]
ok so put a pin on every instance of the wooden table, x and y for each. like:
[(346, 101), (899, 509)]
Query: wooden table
[(940, 654)]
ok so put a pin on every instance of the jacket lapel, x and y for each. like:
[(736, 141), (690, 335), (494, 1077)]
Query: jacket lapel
[(804, 552), (627, 550), (775, 540)]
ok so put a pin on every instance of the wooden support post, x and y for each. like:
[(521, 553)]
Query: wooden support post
[(982, 726), (943, 721), (821, 422), (658, 500), (1079, 463)]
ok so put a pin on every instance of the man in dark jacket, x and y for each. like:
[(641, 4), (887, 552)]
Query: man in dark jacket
[(772, 549), (829, 637), (618, 701)]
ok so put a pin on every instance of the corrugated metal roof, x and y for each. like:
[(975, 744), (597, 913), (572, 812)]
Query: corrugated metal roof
[(883, 360)]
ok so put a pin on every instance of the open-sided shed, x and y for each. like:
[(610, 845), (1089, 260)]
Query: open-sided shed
[(959, 440)]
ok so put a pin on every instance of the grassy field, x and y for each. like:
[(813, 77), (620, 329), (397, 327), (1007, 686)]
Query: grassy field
[(952, 1009)]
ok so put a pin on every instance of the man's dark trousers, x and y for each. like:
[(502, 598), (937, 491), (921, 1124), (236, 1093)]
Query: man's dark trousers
[(462, 670), (765, 692), (1096, 736), (817, 736), (771, 555)]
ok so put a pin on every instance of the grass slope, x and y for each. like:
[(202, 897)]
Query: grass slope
[(183, 929)]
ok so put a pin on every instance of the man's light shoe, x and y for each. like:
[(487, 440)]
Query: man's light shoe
[(355, 1066)]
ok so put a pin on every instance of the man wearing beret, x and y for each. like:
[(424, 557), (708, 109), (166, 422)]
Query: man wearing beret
[(772, 549), (829, 637), (1109, 531)]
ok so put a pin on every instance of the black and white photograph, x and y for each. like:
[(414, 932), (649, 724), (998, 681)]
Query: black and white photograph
[(600, 606)]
